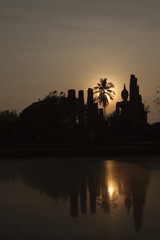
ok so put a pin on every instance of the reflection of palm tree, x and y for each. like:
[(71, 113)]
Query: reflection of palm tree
[(107, 201), (104, 91)]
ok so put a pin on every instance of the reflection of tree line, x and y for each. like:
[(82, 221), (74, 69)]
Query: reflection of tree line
[(71, 179)]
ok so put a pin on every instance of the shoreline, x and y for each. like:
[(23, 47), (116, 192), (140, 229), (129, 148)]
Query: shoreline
[(81, 150)]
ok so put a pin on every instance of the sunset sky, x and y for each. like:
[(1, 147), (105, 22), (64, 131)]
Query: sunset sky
[(49, 45)]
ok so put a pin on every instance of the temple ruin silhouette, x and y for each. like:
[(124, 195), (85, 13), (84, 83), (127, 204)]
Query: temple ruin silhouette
[(129, 116), (132, 110), (61, 119)]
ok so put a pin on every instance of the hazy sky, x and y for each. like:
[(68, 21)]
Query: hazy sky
[(51, 45)]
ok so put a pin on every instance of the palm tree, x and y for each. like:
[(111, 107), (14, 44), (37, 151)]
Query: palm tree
[(157, 98), (104, 91)]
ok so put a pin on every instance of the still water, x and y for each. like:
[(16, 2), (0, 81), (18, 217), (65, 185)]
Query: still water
[(80, 199)]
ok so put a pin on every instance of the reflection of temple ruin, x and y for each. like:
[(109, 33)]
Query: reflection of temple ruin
[(135, 182), (87, 184), (132, 110)]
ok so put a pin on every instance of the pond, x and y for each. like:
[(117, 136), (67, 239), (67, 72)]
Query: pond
[(80, 199)]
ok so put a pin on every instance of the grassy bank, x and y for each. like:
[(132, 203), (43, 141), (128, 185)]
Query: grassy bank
[(38, 151)]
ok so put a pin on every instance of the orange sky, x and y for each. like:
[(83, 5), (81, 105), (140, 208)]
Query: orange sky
[(56, 45)]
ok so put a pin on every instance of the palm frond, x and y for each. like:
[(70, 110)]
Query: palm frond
[(110, 85), (96, 88), (96, 92), (104, 91)]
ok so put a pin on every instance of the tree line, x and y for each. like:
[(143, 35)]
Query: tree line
[(47, 120)]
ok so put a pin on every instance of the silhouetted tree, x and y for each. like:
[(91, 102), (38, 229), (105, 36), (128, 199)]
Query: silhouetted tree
[(7, 126), (8, 116), (104, 91), (157, 98), (45, 120)]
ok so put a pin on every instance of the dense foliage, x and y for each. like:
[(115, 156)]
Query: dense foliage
[(45, 120)]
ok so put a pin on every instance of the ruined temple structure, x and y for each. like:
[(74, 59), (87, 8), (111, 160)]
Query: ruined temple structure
[(92, 110), (86, 120), (132, 111), (79, 114), (81, 109), (72, 108)]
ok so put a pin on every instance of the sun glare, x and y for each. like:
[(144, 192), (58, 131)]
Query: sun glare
[(110, 190)]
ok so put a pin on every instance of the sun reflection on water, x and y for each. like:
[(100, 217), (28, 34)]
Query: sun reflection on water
[(109, 193), (110, 190)]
